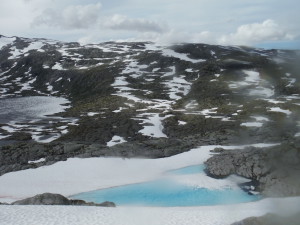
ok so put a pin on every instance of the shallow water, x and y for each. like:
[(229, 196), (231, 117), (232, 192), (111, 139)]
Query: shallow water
[(167, 192)]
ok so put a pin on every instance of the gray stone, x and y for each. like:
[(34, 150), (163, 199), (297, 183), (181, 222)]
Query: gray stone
[(57, 199), (44, 199), (276, 169)]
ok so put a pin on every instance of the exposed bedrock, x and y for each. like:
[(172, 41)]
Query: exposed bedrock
[(277, 169)]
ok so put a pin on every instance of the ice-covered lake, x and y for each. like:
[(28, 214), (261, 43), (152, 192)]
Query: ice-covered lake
[(34, 115), (30, 108)]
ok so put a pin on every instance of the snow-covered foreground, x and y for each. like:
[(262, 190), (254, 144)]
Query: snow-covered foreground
[(205, 215), (82, 175)]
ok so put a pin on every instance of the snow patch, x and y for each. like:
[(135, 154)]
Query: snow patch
[(38, 161), (4, 41), (152, 125), (92, 113), (57, 66), (181, 56), (178, 86), (277, 109), (252, 124), (35, 45), (181, 122), (115, 140), (261, 87)]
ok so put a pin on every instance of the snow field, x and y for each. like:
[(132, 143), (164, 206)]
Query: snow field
[(83, 175), (252, 78), (205, 215)]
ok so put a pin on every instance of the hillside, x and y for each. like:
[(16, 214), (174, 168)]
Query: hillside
[(145, 100)]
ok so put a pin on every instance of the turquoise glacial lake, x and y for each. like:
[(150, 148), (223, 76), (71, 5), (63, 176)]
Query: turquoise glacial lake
[(168, 193)]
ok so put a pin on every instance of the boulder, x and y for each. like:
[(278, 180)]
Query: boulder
[(44, 199), (275, 170), (57, 199)]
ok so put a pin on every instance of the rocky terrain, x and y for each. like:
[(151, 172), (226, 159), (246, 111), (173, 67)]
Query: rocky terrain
[(145, 100), (274, 170)]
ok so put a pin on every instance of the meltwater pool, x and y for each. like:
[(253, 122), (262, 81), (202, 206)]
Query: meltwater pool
[(167, 192)]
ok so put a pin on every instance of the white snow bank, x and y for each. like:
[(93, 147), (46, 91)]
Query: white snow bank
[(6, 41), (277, 109), (178, 85), (274, 101), (262, 92), (92, 113), (260, 118), (36, 45), (181, 122), (261, 89), (38, 161), (252, 124), (42, 139), (115, 140), (204, 215), (57, 66), (78, 175), (252, 76), (3, 136), (182, 56), (153, 125)]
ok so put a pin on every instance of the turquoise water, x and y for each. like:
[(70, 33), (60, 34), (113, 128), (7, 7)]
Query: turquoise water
[(188, 170), (168, 193)]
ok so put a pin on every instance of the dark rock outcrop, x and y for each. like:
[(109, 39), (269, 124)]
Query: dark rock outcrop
[(276, 169), (2, 203), (57, 199)]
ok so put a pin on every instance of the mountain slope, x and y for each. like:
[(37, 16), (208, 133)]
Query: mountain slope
[(142, 99)]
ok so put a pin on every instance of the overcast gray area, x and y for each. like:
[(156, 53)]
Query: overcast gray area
[(72, 17), (119, 22), (229, 22)]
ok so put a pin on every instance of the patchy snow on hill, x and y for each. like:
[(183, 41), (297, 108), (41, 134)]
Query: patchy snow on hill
[(4, 41), (278, 109), (171, 53), (116, 140), (152, 125)]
